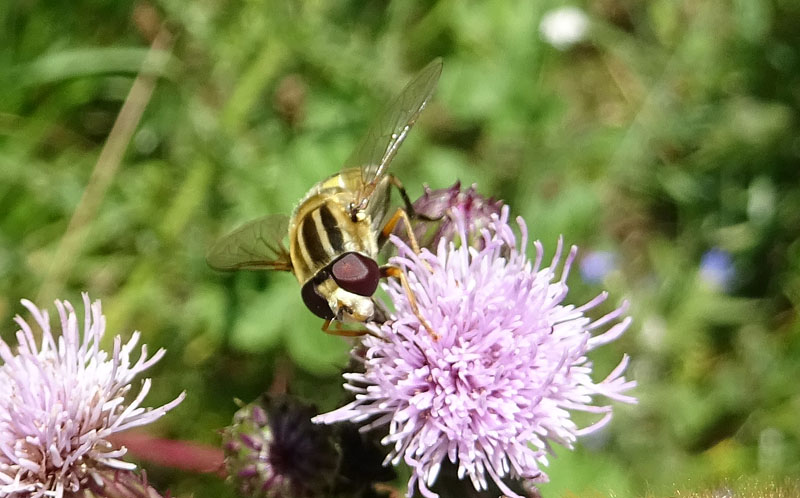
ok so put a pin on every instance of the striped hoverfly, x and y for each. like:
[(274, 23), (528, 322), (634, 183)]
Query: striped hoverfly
[(338, 228)]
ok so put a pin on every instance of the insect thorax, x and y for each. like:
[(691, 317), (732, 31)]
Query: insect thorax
[(323, 229)]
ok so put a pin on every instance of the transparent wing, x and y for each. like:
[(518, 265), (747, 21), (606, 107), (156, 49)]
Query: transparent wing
[(387, 133), (257, 245)]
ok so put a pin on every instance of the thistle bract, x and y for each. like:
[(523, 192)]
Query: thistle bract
[(449, 209)]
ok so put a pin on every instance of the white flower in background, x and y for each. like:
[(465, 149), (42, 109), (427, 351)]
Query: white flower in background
[(564, 27), (61, 399)]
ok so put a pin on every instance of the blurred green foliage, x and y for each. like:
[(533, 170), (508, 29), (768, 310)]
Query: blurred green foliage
[(671, 130)]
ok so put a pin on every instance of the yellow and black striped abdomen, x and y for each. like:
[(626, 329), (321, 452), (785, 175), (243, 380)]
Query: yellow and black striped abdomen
[(321, 230)]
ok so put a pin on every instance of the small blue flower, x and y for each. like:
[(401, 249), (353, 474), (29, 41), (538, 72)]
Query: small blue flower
[(596, 265), (716, 268)]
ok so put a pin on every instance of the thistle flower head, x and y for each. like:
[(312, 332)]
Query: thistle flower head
[(62, 398), (497, 386), (274, 451)]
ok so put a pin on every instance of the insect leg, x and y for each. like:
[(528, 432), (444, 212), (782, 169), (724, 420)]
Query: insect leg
[(326, 327), (393, 271), (399, 215), (412, 213), (385, 488)]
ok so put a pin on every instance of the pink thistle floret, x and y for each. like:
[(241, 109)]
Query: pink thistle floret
[(498, 385), (60, 401)]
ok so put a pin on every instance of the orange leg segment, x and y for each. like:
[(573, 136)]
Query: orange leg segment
[(395, 272), (399, 215), (326, 327), (341, 332), (385, 488)]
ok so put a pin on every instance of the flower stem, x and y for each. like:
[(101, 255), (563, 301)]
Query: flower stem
[(183, 455)]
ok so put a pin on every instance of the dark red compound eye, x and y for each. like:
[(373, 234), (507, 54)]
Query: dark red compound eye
[(316, 303), (356, 273)]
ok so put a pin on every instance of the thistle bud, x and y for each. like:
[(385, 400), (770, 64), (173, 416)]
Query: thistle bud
[(274, 451), (439, 209)]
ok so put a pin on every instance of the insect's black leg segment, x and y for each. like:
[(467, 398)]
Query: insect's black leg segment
[(412, 213), (380, 314), (406, 200), (395, 272)]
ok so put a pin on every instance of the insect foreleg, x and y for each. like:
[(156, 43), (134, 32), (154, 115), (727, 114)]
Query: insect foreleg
[(393, 271), (326, 327), (399, 215), (385, 488)]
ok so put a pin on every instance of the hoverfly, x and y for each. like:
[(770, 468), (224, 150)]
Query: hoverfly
[(338, 228)]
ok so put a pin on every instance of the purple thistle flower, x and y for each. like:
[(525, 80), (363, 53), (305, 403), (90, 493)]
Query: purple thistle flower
[(273, 450), (497, 387), (62, 399)]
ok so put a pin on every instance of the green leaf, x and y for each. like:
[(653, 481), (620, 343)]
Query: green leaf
[(311, 348), (585, 474), (264, 319), (77, 63)]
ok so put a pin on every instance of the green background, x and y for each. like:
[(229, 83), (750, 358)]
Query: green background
[(671, 130)]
